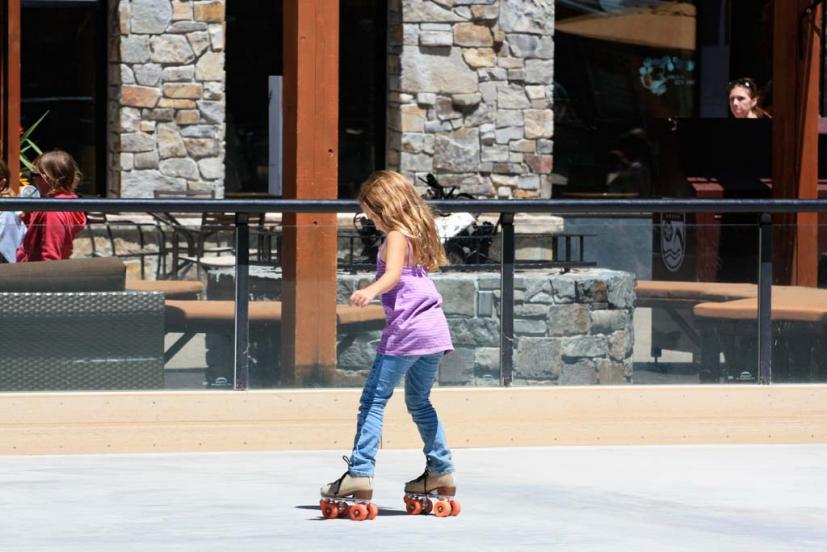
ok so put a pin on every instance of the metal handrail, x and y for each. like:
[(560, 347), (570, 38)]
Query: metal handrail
[(552, 206)]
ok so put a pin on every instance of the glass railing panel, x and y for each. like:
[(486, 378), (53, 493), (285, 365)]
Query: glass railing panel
[(799, 304), (470, 286), (622, 306), (139, 305), (470, 294), (646, 299)]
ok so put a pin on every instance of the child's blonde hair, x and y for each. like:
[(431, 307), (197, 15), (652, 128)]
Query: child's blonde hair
[(393, 201)]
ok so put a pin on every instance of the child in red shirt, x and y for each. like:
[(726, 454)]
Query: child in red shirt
[(50, 233)]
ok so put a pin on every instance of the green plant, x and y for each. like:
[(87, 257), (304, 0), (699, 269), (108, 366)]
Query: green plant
[(27, 144)]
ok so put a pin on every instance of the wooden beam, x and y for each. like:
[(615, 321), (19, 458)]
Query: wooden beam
[(311, 145), (795, 138), (10, 87)]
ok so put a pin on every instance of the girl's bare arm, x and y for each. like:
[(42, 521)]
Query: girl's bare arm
[(396, 249)]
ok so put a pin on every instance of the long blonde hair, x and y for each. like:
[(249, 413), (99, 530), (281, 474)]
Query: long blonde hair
[(392, 200)]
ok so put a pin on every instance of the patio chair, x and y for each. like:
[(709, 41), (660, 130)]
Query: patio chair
[(212, 242), (150, 240), (179, 233)]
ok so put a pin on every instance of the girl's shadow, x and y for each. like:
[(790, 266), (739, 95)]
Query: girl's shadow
[(382, 511)]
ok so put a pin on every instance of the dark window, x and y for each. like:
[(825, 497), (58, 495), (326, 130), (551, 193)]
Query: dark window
[(621, 68)]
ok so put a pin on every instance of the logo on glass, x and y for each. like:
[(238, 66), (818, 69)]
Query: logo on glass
[(672, 240)]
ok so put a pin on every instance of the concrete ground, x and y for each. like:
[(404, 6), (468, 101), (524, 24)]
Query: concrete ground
[(710, 498)]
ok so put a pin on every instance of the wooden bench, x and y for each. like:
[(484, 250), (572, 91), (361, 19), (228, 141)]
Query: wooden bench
[(193, 317), (172, 289), (651, 292), (676, 328), (799, 316)]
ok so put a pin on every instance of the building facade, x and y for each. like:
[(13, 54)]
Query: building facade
[(468, 95)]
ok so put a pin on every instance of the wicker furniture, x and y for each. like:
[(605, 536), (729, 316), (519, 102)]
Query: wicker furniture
[(69, 325)]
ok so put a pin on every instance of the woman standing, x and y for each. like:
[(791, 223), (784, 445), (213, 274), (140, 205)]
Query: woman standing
[(743, 100)]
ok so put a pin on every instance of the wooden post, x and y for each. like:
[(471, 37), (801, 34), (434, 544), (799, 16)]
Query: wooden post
[(795, 138), (10, 87), (311, 144)]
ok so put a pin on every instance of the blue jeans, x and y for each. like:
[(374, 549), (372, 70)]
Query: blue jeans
[(387, 371)]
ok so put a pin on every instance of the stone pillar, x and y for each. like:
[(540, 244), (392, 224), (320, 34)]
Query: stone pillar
[(166, 100), (470, 94)]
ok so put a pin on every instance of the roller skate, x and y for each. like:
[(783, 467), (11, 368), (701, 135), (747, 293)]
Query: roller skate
[(432, 494), (348, 496)]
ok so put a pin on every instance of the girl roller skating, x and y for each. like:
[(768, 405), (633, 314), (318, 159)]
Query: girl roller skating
[(413, 342)]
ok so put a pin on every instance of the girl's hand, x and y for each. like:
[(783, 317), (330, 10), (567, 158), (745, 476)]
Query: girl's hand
[(361, 298)]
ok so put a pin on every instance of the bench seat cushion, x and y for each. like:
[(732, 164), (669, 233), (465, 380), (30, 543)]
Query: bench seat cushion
[(789, 303), (70, 275), (693, 291), (347, 315), (172, 289), (203, 316)]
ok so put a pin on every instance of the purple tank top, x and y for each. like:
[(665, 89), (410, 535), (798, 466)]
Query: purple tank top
[(415, 324)]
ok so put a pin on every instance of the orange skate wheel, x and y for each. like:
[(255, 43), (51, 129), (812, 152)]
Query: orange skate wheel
[(442, 509), (329, 510), (414, 507), (455, 507), (373, 511), (358, 512)]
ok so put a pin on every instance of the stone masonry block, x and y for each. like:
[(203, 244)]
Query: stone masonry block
[(457, 368), (568, 319), (475, 332), (582, 372), (538, 357), (458, 296), (588, 346)]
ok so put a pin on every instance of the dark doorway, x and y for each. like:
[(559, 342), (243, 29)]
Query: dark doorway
[(254, 55), (362, 91), (63, 72)]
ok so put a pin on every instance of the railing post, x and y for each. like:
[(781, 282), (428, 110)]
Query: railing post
[(765, 299), (241, 363), (507, 300)]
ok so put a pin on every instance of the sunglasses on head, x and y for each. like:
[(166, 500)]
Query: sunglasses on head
[(746, 83)]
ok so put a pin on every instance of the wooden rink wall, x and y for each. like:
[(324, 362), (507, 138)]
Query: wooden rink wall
[(296, 419)]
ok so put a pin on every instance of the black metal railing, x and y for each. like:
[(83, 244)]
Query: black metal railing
[(568, 251), (506, 208)]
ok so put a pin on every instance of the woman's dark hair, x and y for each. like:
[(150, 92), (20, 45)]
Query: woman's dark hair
[(5, 189), (752, 89), (60, 171), (747, 83)]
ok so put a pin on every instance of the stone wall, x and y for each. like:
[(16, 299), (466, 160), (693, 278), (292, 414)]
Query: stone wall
[(570, 329), (470, 94), (166, 100)]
